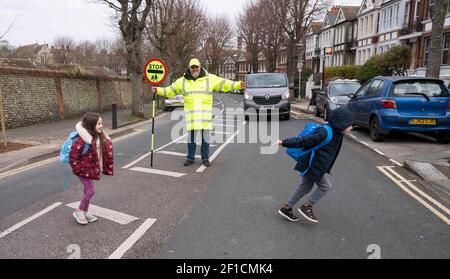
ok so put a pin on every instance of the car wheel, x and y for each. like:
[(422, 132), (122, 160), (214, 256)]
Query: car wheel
[(375, 133), (316, 112), (443, 137)]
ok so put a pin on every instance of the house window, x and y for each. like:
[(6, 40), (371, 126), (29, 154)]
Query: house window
[(390, 17), (405, 19), (445, 49), (384, 20), (397, 10), (427, 51), (371, 24), (430, 8), (417, 13)]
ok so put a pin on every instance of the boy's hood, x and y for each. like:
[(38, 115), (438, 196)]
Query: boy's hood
[(84, 134), (341, 119)]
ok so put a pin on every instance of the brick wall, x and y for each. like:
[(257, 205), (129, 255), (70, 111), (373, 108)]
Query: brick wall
[(32, 96)]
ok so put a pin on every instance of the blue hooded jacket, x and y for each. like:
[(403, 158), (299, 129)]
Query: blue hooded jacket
[(326, 156)]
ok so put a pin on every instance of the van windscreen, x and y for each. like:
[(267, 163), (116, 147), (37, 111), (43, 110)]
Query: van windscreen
[(266, 81)]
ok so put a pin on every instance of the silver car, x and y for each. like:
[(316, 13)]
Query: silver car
[(335, 95), (267, 92), (173, 103)]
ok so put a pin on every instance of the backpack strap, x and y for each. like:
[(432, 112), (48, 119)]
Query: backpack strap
[(322, 144)]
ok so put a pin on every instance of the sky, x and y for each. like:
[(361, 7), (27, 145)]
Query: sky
[(40, 21)]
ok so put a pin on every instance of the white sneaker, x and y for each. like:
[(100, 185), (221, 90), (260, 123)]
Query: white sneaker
[(90, 218), (80, 217)]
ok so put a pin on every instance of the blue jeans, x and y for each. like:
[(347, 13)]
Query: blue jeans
[(192, 145)]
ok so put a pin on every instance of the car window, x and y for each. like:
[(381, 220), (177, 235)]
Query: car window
[(343, 88), (410, 88), (363, 89), (266, 81), (374, 87)]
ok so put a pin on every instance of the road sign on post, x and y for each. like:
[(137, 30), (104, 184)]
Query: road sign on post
[(155, 73)]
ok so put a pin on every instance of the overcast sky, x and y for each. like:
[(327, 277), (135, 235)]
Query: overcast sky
[(42, 20)]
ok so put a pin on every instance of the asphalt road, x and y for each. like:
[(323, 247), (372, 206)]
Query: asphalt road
[(226, 211)]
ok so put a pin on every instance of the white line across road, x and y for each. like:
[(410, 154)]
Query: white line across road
[(202, 168), (30, 219), (177, 154), (409, 188), (115, 216), (160, 172), (124, 247), (148, 154)]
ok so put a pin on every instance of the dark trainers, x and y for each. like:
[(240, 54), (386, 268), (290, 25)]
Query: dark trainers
[(206, 163), (288, 214), (307, 212), (188, 163)]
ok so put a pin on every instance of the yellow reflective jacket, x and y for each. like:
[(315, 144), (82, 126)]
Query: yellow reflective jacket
[(198, 97)]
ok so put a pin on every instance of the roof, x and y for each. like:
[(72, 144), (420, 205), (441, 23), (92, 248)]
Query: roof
[(29, 50), (350, 12), (315, 27)]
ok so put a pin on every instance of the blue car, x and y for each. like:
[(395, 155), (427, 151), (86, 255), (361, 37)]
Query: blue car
[(407, 104)]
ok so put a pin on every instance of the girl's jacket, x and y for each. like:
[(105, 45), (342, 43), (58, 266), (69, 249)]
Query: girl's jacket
[(88, 165), (326, 156)]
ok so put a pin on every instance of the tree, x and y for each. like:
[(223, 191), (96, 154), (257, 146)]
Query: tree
[(300, 14), (131, 16), (249, 29), (174, 31), (63, 48), (217, 35), (370, 69), (273, 16), (396, 61), (438, 14)]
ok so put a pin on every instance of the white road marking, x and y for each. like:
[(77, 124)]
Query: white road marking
[(112, 215), (384, 169), (25, 168), (124, 247), (395, 162), (149, 153), (28, 220), (222, 125), (177, 154), (220, 133), (202, 168), (378, 151), (160, 172), (353, 137), (364, 143)]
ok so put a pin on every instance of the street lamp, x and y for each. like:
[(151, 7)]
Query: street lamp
[(299, 67)]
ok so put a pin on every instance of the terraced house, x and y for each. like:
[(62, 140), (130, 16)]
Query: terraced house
[(367, 31), (345, 28)]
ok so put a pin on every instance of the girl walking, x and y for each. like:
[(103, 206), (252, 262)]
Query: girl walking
[(98, 158)]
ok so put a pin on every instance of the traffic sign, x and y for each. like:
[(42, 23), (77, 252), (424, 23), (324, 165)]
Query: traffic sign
[(155, 71), (328, 51)]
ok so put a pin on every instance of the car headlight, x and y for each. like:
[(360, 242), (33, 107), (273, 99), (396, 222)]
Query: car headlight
[(334, 100), (286, 95), (248, 96)]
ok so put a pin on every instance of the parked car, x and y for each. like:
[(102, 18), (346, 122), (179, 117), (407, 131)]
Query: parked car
[(267, 92), (408, 104), (334, 95), (173, 103)]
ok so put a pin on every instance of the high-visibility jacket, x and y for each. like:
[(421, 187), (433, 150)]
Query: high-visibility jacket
[(198, 97)]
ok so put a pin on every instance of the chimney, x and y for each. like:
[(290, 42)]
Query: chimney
[(334, 10), (239, 43)]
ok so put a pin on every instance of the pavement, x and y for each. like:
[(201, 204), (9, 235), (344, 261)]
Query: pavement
[(48, 137), (420, 154), (226, 211)]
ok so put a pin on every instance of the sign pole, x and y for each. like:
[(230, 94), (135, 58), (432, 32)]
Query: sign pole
[(2, 117), (155, 73), (153, 130)]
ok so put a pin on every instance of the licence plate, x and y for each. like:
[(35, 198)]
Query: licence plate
[(268, 107), (423, 121)]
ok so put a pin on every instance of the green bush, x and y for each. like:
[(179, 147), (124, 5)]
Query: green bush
[(370, 69)]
